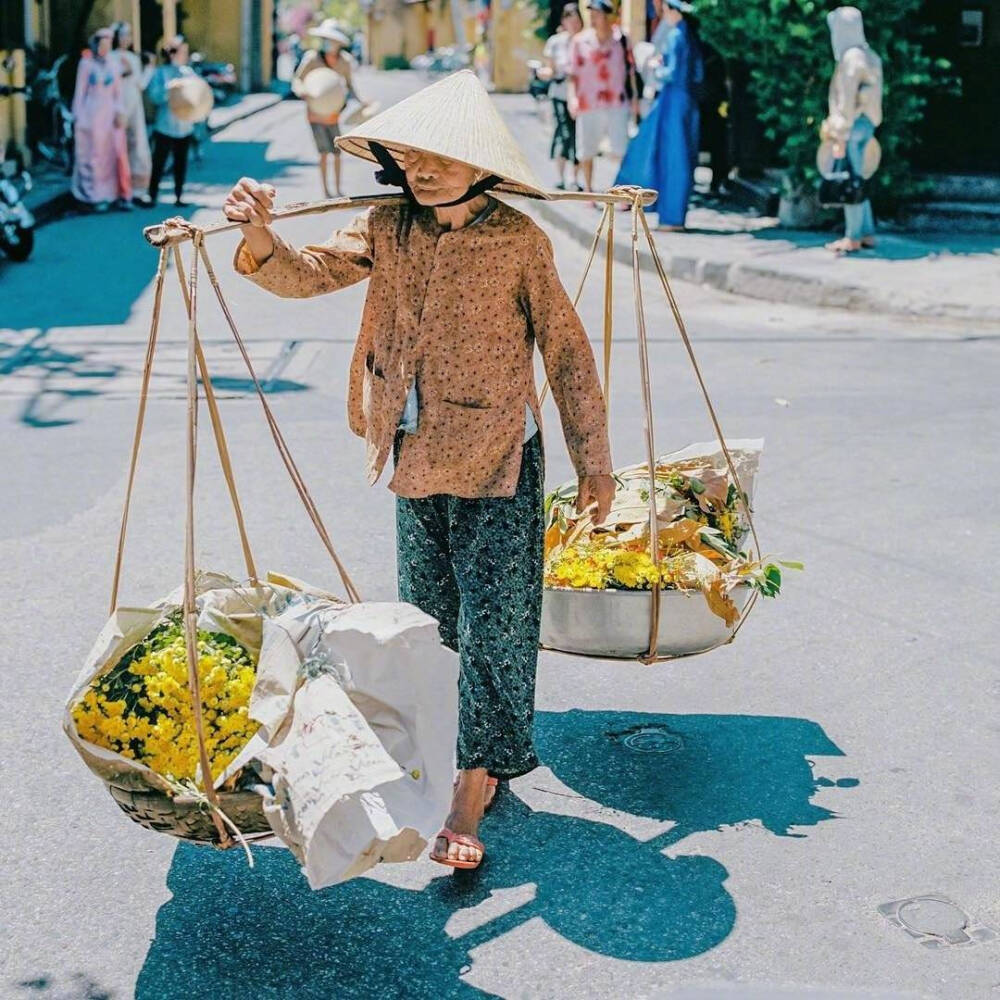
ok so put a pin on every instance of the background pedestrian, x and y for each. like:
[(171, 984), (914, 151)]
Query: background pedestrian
[(664, 153), (171, 136), (855, 102), (325, 125), (135, 77), (556, 55), (100, 169), (602, 88)]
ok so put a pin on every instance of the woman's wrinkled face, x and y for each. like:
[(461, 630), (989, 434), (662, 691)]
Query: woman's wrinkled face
[(103, 46), (124, 38), (599, 21), (436, 180), (572, 23)]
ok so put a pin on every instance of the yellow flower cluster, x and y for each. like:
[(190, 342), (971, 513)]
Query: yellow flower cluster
[(142, 709), (600, 566)]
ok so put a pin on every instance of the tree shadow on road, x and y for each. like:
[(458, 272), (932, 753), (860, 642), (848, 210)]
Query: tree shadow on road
[(230, 931), (88, 270)]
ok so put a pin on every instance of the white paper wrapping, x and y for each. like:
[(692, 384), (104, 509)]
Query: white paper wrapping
[(363, 765), (358, 712)]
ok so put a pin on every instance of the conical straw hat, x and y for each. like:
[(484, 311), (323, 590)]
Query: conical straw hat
[(871, 157), (454, 118), (190, 98), (324, 90)]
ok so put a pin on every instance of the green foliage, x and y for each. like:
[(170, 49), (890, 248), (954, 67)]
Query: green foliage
[(787, 45), (347, 12)]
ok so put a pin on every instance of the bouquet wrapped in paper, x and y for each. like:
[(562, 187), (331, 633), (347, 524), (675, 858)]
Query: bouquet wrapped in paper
[(332, 725)]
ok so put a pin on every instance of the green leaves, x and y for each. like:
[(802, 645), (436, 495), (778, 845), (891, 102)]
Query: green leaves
[(787, 45)]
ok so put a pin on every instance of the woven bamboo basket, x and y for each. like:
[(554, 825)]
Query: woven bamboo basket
[(187, 817)]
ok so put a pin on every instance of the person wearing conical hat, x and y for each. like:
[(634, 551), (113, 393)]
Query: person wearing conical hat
[(323, 117), (461, 289), (171, 134)]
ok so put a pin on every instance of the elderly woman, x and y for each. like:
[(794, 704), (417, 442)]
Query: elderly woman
[(462, 287)]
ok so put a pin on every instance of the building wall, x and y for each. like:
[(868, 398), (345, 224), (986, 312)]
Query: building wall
[(512, 43), (13, 112), (958, 132), (215, 28)]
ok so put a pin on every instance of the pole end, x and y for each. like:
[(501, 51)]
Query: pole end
[(173, 230)]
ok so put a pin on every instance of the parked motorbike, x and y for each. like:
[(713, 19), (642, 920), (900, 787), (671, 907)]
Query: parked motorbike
[(220, 76), (446, 59), (50, 120), (17, 224)]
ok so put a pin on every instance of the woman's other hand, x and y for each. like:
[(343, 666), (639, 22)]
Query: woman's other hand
[(598, 490), (250, 203)]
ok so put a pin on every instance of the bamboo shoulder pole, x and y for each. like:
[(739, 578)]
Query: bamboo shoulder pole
[(177, 230)]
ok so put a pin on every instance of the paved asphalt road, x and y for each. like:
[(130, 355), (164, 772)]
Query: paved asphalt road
[(841, 755)]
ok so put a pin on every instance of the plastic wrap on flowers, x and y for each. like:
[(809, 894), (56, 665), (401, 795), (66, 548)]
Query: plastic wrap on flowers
[(599, 580), (341, 740)]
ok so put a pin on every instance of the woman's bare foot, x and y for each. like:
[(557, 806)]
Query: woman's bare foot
[(845, 246), (466, 812)]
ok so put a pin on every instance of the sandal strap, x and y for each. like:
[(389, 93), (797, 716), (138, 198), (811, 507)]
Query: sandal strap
[(465, 839)]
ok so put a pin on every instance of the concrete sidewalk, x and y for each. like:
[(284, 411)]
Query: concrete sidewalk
[(926, 274)]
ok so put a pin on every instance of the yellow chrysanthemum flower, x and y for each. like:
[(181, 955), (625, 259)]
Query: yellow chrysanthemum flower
[(142, 708)]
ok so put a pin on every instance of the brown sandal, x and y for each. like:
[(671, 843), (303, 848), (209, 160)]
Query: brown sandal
[(466, 840), (491, 782)]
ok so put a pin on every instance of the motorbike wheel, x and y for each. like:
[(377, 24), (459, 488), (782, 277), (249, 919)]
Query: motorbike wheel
[(17, 243)]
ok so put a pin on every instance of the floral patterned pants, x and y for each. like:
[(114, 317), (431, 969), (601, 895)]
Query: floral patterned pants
[(476, 566)]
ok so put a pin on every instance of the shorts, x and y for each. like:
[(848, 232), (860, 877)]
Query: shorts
[(324, 136), (593, 126)]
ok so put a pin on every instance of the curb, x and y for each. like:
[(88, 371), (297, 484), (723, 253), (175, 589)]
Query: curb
[(246, 113), (758, 281), (52, 207)]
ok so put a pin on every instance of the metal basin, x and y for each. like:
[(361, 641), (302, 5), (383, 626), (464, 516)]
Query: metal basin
[(615, 623)]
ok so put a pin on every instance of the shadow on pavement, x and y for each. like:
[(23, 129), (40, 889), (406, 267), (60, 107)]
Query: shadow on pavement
[(88, 270), (95, 268), (230, 931), (889, 245)]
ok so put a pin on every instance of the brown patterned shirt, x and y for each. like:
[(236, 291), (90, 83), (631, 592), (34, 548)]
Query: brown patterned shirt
[(459, 312)]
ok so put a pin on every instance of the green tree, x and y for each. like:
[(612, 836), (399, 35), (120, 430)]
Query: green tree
[(787, 45), (348, 12)]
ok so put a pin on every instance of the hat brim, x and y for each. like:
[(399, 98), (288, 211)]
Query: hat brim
[(870, 160), (330, 36), (358, 146)]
